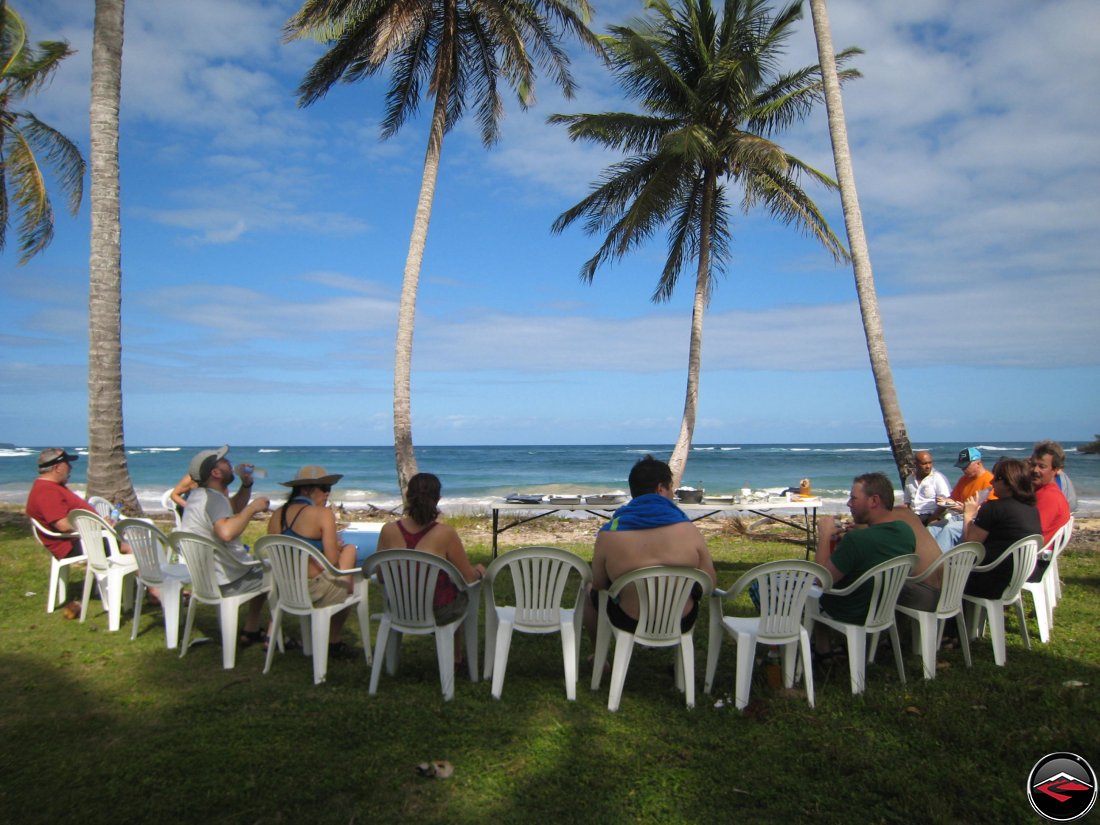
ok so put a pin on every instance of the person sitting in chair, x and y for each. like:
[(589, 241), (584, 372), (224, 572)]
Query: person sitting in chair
[(646, 531), (306, 516), (212, 514)]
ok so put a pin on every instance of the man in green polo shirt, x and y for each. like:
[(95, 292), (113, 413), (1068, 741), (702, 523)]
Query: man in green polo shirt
[(880, 539)]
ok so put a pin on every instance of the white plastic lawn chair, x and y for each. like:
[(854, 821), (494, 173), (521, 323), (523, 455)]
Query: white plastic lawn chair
[(198, 553), (1045, 592), (887, 579), (102, 507), (408, 584), (663, 592), (1057, 580), (59, 568), (151, 549), (539, 578), (928, 625), (783, 589), (169, 505), (109, 569), (1023, 555), (289, 559)]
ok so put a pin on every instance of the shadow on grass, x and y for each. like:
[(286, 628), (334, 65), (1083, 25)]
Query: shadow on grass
[(90, 715)]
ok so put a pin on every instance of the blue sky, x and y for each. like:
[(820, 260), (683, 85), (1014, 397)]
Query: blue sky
[(263, 247)]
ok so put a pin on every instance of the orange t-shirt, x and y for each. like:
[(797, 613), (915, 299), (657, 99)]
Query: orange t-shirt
[(969, 486)]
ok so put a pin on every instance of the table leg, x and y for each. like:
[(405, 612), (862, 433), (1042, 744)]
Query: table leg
[(496, 518)]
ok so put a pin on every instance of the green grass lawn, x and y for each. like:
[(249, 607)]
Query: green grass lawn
[(97, 728)]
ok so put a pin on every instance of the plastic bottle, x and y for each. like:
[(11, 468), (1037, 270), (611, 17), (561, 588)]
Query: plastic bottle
[(116, 512)]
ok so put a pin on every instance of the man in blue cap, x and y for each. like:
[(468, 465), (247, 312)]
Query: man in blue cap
[(976, 480)]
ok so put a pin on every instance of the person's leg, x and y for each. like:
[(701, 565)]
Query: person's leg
[(950, 534)]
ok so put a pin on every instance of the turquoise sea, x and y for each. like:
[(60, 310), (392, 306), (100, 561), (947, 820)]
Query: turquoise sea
[(473, 475)]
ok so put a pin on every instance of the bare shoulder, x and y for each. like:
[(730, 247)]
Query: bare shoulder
[(389, 537)]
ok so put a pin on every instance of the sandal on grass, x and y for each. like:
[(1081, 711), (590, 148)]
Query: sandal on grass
[(251, 637)]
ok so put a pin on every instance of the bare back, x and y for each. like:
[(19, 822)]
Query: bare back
[(617, 553)]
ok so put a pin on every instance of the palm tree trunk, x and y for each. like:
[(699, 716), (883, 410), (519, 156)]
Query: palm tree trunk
[(108, 474), (406, 314), (857, 243), (678, 461)]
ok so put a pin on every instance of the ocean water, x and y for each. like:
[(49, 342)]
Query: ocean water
[(473, 476)]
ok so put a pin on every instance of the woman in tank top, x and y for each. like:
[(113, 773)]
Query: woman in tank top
[(419, 529)]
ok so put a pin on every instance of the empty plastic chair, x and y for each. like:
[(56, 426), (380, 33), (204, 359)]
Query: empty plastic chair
[(108, 568), (539, 578), (151, 550), (783, 587)]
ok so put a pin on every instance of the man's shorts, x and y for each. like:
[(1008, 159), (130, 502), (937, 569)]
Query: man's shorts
[(624, 621), (250, 581)]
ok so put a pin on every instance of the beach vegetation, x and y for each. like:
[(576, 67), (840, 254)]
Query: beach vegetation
[(27, 145), (108, 473), (456, 53), (896, 433), (713, 97), (97, 723)]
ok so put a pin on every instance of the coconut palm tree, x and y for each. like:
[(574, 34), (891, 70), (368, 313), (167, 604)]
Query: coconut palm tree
[(108, 473), (458, 49), (712, 97), (26, 142), (896, 433)]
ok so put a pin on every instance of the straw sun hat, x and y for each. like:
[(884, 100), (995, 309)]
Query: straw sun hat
[(312, 475)]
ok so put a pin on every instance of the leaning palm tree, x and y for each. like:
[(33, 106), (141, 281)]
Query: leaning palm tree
[(713, 97), (108, 473), (459, 49), (26, 142), (896, 433)]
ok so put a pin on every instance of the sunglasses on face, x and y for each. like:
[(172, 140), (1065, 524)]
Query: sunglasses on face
[(325, 488)]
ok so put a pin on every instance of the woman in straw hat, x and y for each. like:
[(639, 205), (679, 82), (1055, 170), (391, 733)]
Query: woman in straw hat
[(306, 516)]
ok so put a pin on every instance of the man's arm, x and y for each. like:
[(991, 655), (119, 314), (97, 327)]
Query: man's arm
[(600, 580), (705, 562), (824, 554), (228, 529), (66, 500)]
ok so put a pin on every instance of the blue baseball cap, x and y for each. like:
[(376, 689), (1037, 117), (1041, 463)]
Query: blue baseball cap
[(968, 455)]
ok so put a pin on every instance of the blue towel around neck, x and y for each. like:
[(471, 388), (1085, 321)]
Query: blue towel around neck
[(646, 512)]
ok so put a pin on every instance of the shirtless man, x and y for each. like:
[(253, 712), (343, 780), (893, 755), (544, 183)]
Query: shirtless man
[(649, 530)]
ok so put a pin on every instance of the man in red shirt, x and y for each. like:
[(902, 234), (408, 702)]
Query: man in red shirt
[(1047, 458), (50, 500)]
